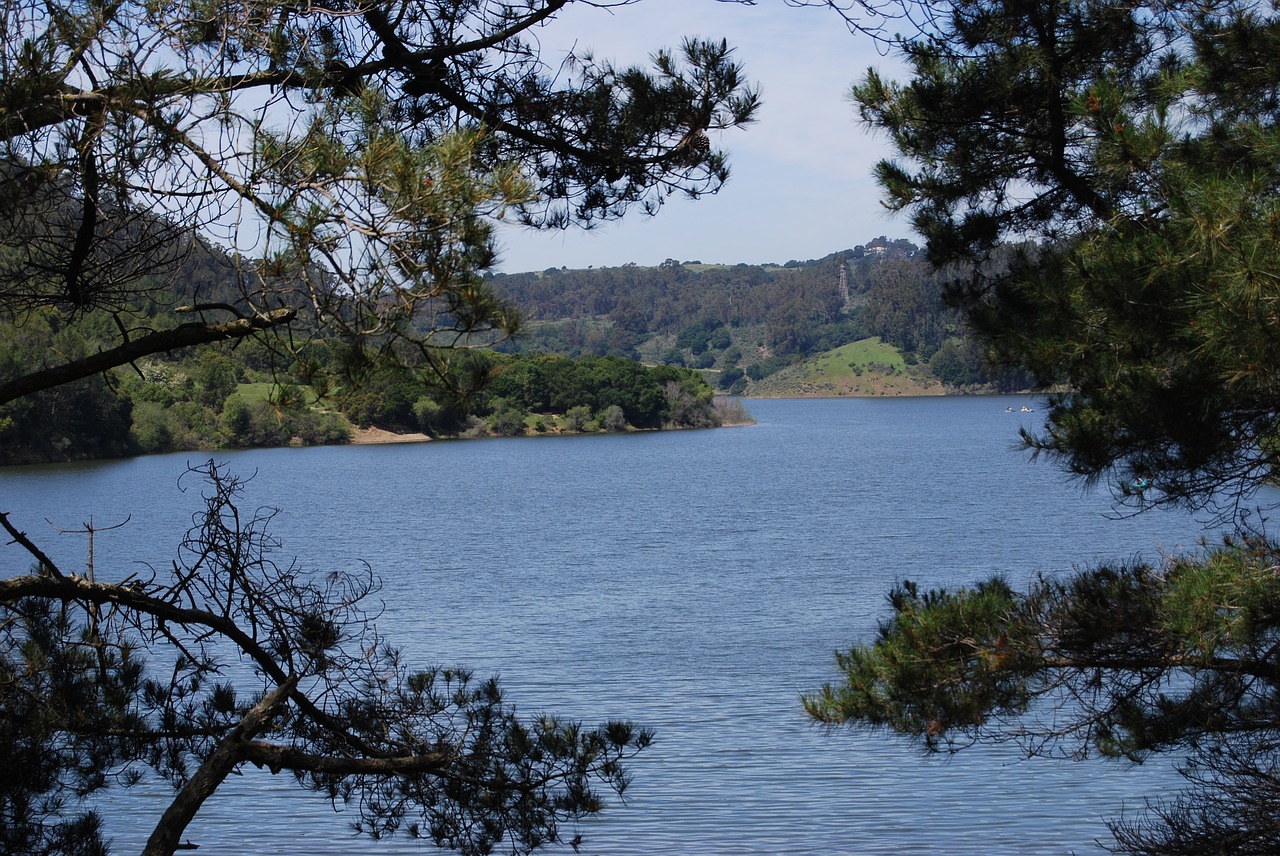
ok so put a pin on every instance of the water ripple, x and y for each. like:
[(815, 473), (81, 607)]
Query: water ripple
[(697, 582)]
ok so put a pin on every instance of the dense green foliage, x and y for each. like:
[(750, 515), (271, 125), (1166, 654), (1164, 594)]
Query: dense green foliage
[(357, 155), (1139, 142), (173, 402), (753, 318), (1121, 661), (505, 390), (217, 399), (187, 401), (83, 419), (647, 397), (690, 301), (1137, 145), (1196, 634)]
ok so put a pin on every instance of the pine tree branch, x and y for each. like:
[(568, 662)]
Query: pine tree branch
[(182, 336), (137, 599), (276, 758), (229, 754), (1254, 668)]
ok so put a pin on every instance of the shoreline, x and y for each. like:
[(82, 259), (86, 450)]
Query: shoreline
[(378, 436)]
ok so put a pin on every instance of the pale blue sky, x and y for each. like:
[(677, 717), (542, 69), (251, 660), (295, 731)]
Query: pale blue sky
[(801, 183)]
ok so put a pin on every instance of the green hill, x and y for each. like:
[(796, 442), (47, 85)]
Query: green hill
[(866, 367), (742, 324)]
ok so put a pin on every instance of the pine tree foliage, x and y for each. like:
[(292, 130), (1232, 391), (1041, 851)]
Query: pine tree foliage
[(1122, 661), (1135, 147), (355, 153), (1100, 182), (231, 658)]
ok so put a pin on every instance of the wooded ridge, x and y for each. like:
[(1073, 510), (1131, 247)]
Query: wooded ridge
[(774, 329), (743, 323)]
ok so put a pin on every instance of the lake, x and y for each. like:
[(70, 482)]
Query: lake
[(696, 582)]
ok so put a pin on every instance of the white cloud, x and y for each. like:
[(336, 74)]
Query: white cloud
[(801, 185)]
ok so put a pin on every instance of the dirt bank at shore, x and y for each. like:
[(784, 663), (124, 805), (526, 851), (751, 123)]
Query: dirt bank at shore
[(368, 436)]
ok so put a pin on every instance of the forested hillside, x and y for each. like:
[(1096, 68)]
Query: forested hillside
[(311, 390), (253, 395), (766, 329), (743, 322)]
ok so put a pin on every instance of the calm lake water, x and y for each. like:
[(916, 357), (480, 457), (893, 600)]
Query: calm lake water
[(697, 582)]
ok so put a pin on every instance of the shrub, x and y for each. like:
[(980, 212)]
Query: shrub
[(472, 427), (216, 375), (612, 419), (731, 411), (578, 418), (151, 429), (437, 418), (507, 422), (686, 409), (319, 429), (248, 425)]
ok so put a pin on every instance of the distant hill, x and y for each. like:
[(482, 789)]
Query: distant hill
[(865, 367), (748, 324)]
